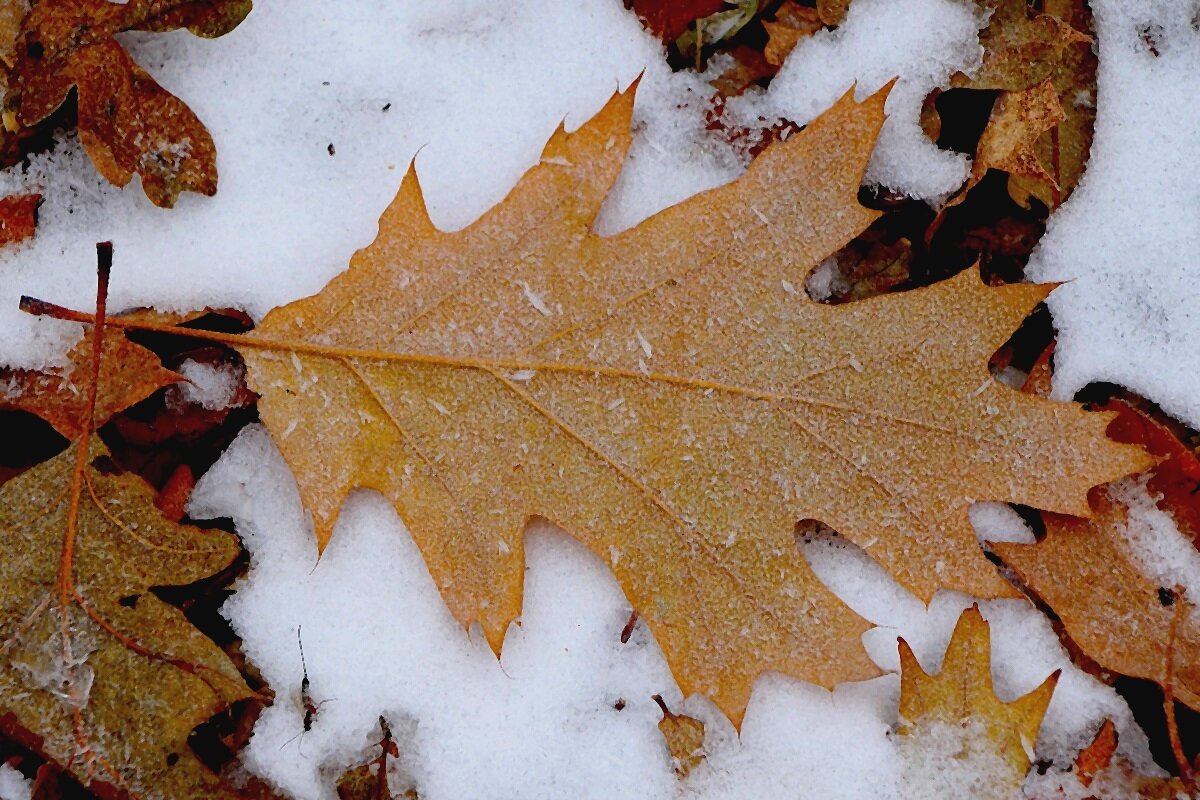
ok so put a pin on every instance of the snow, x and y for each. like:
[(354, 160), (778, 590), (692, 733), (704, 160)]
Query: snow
[(1126, 240), (542, 721), (1153, 540), (212, 387), (14, 785), (997, 522), (923, 42), (464, 88)]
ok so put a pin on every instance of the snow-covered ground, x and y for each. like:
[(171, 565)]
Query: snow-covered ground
[(317, 109)]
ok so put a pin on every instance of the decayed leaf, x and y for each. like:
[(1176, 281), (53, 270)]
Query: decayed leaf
[(868, 266), (960, 697), (1110, 608), (1065, 149), (792, 23), (131, 374), (11, 15), (715, 28), (669, 397), (1021, 48), (684, 737), (127, 122), (112, 681), (18, 217), (1009, 141)]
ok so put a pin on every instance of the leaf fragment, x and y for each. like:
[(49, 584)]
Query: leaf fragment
[(127, 122), (1009, 142), (18, 217), (1021, 48), (131, 374)]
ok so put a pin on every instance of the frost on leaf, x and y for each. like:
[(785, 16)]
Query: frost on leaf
[(111, 682), (675, 403)]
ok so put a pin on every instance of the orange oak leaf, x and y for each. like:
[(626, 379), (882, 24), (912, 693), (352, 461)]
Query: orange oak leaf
[(670, 397), (792, 23), (127, 122), (1110, 607), (959, 703)]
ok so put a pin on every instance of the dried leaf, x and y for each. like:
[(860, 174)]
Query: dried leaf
[(131, 374), (18, 217), (664, 397), (960, 697), (113, 680), (1065, 149), (715, 28), (12, 13), (1009, 141), (684, 737), (1110, 608), (1021, 48), (127, 122), (833, 11), (792, 23)]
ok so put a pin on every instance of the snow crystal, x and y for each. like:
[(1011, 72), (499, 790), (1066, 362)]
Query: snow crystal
[(1126, 240), (923, 42), (14, 785), (212, 387)]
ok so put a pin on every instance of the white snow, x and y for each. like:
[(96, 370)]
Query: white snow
[(923, 42), (1126, 240), (14, 785), (212, 387)]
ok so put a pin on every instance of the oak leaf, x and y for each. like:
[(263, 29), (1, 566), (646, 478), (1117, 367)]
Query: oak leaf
[(793, 22), (127, 122), (1111, 609), (111, 683), (1021, 48), (671, 399), (1009, 142), (959, 702), (131, 373), (1065, 148)]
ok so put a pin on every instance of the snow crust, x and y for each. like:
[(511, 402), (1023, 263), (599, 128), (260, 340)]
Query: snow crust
[(1154, 541), (316, 115), (1126, 240), (543, 722)]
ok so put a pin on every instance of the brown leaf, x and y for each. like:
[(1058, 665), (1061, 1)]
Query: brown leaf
[(131, 373), (107, 677), (668, 397), (12, 13), (792, 23), (684, 737), (127, 122), (833, 11), (1021, 48), (1065, 149), (960, 698), (1009, 141), (18, 217), (1109, 607)]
